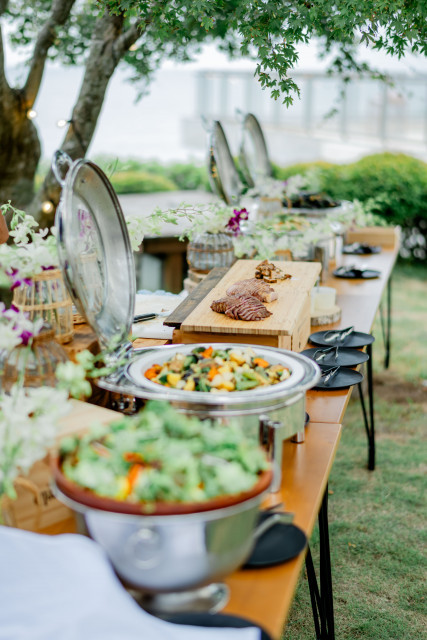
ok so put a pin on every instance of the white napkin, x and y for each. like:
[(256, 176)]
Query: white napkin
[(155, 302), (63, 588)]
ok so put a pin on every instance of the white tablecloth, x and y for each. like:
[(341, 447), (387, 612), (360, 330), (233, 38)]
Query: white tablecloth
[(63, 588)]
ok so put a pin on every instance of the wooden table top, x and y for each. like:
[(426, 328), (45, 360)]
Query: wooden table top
[(265, 595)]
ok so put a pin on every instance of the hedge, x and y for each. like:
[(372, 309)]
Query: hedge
[(140, 182)]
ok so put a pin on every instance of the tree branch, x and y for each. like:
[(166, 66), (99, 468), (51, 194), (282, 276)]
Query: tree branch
[(129, 37), (60, 12), (4, 86)]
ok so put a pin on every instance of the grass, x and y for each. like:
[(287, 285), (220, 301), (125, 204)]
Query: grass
[(376, 519)]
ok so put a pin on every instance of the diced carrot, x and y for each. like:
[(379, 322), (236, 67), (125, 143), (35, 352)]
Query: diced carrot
[(133, 475), (260, 362), (207, 352), (153, 371), (212, 373), (132, 456)]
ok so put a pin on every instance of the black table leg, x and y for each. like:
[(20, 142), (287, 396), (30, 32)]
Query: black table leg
[(322, 600), (386, 325), (314, 595), (371, 456), (369, 421), (325, 569)]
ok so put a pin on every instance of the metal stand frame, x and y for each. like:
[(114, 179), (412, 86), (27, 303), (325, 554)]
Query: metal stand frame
[(322, 601), (386, 325), (369, 420)]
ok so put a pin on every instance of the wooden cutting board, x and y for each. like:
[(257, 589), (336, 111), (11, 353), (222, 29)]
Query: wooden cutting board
[(290, 312)]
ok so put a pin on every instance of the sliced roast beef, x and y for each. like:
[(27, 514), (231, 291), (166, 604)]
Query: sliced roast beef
[(253, 287), (241, 307)]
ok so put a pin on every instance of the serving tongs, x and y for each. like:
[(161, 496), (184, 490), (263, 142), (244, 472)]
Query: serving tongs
[(321, 354), (338, 336), (142, 317), (329, 374), (271, 521), (351, 271)]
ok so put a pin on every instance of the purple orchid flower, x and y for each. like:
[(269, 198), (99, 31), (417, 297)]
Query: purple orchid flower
[(17, 281), (26, 337), (233, 224)]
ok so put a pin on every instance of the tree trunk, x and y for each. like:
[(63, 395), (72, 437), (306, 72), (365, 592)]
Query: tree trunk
[(19, 151), (108, 46), (19, 142)]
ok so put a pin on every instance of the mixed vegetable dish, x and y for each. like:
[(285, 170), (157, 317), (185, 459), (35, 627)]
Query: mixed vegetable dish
[(217, 370), (162, 455)]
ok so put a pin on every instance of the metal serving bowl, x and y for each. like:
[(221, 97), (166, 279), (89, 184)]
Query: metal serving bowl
[(284, 402), (164, 553)]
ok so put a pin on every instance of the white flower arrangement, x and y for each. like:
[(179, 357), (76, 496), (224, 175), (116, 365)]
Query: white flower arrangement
[(33, 251), (267, 188), (28, 417), (264, 238), (271, 188), (214, 217), (28, 426), (16, 328)]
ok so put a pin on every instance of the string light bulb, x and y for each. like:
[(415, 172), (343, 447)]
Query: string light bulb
[(47, 206), (133, 47), (62, 123), (31, 114)]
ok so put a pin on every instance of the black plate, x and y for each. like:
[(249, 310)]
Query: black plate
[(355, 340), (345, 378), (214, 620), (346, 357), (277, 545), (357, 274), (360, 249)]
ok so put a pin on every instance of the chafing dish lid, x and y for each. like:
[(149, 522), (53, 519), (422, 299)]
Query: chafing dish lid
[(254, 158), (222, 171), (94, 249)]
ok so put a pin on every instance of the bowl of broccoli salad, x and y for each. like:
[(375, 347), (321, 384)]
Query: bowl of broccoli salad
[(161, 462)]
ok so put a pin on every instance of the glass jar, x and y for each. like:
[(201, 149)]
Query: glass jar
[(37, 362), (208, 250)]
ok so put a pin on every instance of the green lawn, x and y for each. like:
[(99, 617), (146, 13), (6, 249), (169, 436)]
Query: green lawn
[(377, 519)]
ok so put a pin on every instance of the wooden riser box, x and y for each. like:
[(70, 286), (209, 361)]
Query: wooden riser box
[(287, 328)]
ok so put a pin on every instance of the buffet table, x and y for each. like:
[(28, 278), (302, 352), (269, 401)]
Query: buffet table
[(265, 595)]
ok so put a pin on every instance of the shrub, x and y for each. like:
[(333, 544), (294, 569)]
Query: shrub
[(140, 182), (185, 176), (283, 173), (189, 176)]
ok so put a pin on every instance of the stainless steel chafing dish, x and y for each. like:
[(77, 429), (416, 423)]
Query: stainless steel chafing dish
[(284, 402)]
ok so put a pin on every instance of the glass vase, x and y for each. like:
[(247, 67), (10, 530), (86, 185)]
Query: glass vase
[(208, 250), (36, 362)]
